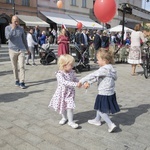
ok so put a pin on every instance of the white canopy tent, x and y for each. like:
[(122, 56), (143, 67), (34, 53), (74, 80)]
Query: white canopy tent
[(119, 29)]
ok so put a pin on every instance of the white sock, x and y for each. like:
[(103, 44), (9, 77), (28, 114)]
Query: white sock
[(98, 117), (70, 115), (105, 118), (64, 115)]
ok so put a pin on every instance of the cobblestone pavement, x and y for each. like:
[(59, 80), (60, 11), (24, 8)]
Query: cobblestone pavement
[(26, 122)]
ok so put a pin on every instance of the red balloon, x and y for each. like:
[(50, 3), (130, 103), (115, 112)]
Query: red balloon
[(79, 25), (105, 10)]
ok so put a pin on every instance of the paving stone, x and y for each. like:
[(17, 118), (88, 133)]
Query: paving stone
[(7, 147), (47, 146), (61, 142), (22, 123), (5, 124), (12, 140), (2, 143), (17, 130), (26, 146), (3, 132), (36, 130), (32, 139)]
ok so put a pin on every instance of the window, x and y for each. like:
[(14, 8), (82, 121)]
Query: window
[(55, 1), (84, 3), (10, 1), (73, 2), (25, 2)]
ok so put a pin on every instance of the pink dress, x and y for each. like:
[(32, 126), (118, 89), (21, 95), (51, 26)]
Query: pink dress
[(63, 45), (64, 95)]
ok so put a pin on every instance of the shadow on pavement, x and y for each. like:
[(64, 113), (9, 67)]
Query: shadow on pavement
[(9, 97), (83, 117), (126, 118), (34, 83), (3, 73)]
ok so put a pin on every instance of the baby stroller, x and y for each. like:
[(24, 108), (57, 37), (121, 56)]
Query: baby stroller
[(81, 58), (46, 54)]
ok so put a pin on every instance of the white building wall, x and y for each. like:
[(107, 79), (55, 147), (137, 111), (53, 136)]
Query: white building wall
[(51, 5), (78, 9)]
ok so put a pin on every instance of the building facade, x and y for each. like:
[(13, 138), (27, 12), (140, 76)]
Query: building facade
[(138, 15), (72, 12), (11, 7)]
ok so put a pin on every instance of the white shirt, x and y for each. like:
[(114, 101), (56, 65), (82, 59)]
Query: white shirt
[(136, 36), (30, 40), (105, 76)]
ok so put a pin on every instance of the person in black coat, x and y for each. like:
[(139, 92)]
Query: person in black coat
[(97, 43), (77, 37), (105, 40), (84, 40), (36, 36)]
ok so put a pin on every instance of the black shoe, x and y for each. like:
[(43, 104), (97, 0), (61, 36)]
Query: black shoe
[(17, 83), (28, 64), (22, 85)]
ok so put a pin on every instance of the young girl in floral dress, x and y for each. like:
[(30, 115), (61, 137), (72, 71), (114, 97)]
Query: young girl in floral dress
[(63, 98)]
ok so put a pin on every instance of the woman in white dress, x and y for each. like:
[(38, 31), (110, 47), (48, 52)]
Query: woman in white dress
[(135, 51)]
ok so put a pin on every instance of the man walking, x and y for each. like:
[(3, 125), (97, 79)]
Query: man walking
[(84, 40), (17, 45), (97, 43)]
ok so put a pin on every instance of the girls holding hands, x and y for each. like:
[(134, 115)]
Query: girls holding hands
[(105, 102), (63, 98)]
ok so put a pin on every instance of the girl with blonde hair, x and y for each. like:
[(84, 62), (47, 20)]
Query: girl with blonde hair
[(63, 98), (105, 76)]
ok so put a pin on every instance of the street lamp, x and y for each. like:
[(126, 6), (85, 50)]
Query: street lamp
[(125, 8), (14, 11)]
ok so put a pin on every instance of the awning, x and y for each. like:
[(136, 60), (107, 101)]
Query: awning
[(33, 21), (60, 19), (86, 21)]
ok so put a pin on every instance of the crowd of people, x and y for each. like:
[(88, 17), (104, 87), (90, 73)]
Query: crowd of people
[(98, 43)]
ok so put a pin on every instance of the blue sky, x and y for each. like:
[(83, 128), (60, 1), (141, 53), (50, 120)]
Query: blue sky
[(146, 5)]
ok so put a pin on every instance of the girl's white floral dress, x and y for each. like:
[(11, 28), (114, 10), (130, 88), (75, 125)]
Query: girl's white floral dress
[(64, 95)]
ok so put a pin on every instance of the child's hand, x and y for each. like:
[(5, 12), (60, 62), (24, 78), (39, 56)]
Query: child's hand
[(79, 84), (86, 85)]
